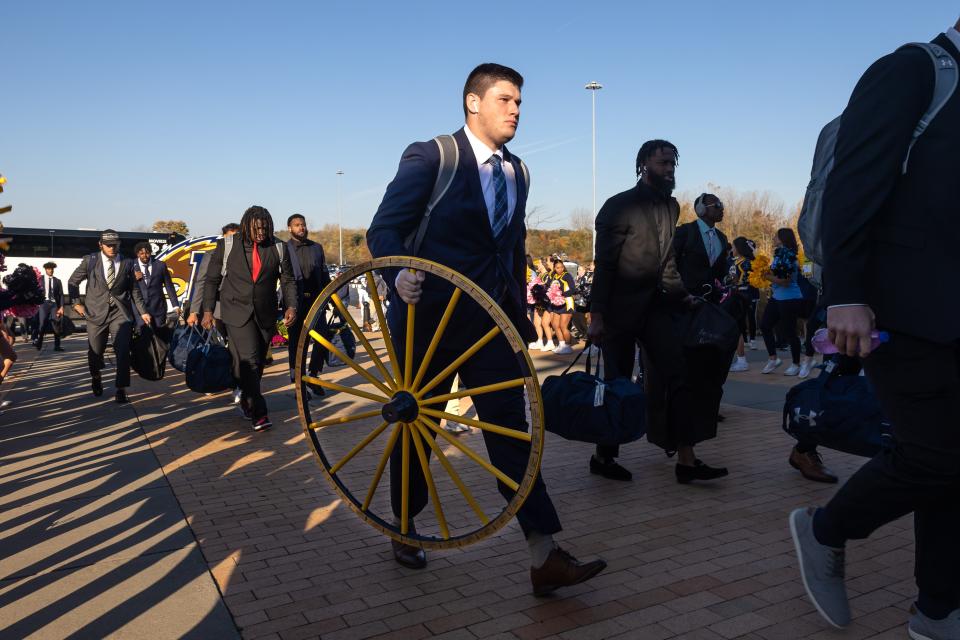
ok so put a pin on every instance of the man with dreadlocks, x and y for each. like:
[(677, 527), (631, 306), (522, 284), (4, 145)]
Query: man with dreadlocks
[(247, 291), (636, 287)]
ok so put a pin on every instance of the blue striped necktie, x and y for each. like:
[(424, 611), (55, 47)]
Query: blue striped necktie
[(500, 191)]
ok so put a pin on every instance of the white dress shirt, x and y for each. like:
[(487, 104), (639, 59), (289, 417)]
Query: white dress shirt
[(48, 288), (145, 270), (483, 153), (116, 265)]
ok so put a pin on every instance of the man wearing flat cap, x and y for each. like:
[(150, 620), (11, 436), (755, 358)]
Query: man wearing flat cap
[(112, 292), (50, 308)]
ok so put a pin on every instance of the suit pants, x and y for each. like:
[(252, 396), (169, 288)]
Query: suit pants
[(46, 313), (493, 363), (248, 346), (918, 384), (317, 351), (118, 324), (655, 332)]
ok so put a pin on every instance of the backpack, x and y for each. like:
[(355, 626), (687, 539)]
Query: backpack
[(228, 247), (811, 214), (449, 160)]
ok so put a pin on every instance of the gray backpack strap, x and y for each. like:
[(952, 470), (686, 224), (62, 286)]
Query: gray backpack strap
[(945, 83), (526, 175), (279, 245), (227, 248), (449, 160)]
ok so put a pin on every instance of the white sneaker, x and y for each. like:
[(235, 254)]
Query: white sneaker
[(771, 365), (534, 345), (456, 427), (792, 370), (740, 365), (752, 345), (547, 346), (805, 367), (563, 349), (236, 396)]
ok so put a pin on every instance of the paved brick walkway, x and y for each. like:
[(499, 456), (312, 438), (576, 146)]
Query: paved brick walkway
[(707, 561)]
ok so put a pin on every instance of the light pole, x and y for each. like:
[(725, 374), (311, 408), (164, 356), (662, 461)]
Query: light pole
[(340, 214), (593, 87)]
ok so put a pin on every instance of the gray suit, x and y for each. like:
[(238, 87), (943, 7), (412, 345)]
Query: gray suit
[(108, 311)]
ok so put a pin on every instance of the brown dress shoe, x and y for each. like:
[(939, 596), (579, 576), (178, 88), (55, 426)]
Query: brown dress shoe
[(409, 556), (810, 465), (562, 570)]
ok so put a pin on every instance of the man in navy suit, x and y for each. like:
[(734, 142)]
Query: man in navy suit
[(476, 228), (153, 278), (50, 308)]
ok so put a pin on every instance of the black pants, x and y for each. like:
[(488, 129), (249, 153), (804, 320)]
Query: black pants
[(248, 346), (781, 315), (655, 332), (45, 315), (120, 326), (317, 352), (579, 321), (918, 384), (751, 321), (493, 363)]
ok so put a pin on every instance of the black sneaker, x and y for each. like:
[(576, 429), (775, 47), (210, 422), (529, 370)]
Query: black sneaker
[(96, 384), (245, 410), (609, 469), (121, 397), (699, 471), (261, 424)]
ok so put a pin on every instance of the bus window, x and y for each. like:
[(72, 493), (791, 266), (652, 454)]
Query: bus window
[(72, 246), (35, 246)]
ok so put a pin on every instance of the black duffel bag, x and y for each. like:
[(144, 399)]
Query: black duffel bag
[(62, 326), (581, 406), (209, 366), (837, 412), (707, 325), (148, 354)]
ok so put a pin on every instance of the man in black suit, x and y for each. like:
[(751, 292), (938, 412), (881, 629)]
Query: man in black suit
[(476, 228), (111, 294), (247, 289), (50, 308), (885, 209), (154, 278), (701, 249), (310, 271), (636, 289)]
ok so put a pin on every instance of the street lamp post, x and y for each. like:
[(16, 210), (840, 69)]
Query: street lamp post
[(593, 87), (340, 213)]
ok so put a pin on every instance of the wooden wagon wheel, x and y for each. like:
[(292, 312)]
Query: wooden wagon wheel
[(397, 405)]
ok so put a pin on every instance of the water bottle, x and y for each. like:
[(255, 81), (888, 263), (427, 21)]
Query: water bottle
[(821, 341)]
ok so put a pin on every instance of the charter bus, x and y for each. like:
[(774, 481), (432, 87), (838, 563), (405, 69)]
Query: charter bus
[(67, 247)]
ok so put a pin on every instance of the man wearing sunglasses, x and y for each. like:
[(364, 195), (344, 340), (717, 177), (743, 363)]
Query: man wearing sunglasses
[(701, 249), (111, 293)]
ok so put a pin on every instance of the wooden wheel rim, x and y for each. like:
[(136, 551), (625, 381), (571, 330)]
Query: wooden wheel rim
[(530, 384)]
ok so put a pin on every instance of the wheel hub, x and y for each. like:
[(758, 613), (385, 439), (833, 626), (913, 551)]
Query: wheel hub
[(403, 407)]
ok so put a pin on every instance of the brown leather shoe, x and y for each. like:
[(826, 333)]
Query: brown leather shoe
[(810, 465), (409, 556), (562, 570)]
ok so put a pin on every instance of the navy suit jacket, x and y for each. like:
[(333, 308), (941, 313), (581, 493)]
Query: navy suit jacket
[(152, 291), (459, 236)]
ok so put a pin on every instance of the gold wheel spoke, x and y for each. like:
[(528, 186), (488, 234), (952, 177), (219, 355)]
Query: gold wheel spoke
[(405, 481), (384, 328), (357, 449), (435, 341), (490, 388), (431, 488), (384, 459), (479, 424), (456, 364), (335, 421), (470, 453), (441, 456), (333, 386), (349, 361), (408, 359), (366, 343)]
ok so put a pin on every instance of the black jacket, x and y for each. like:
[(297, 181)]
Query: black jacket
[(310, 270), (878, 225), (57, 290), (634, 253), (693, 263), (240, 297)]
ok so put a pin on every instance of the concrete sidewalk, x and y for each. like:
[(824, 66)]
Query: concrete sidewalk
[(96, 544)]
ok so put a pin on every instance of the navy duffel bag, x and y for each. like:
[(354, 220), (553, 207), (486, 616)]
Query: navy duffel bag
[(837, 412), (581, 406)]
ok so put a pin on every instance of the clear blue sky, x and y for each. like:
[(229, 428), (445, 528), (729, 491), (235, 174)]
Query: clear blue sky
[(120, 113)]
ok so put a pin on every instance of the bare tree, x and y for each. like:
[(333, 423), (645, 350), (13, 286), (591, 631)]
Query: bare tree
[(581, 219), (539, 218)]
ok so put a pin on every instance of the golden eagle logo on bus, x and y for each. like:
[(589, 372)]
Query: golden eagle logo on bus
[(183, 259)]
